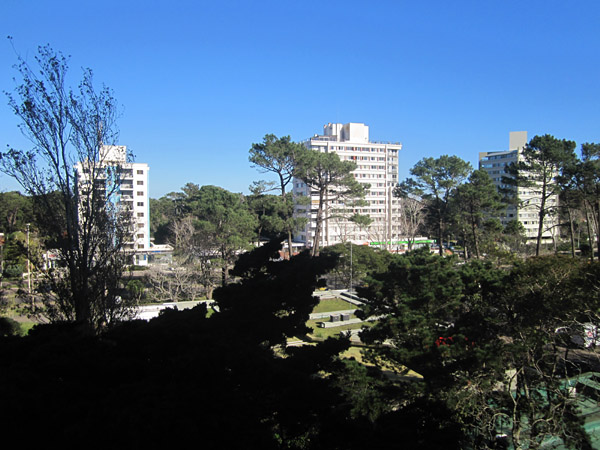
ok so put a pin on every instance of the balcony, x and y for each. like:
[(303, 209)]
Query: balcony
[(385, 142)]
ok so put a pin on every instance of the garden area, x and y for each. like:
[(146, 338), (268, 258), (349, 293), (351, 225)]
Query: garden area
[(332, 305)]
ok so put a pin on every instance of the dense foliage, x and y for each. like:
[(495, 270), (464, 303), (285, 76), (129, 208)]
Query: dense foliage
[(217, 381), (460, 355), (484, 339)]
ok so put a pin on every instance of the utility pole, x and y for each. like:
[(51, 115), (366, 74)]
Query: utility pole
[(351, 266), (1, 257), (28, 264)]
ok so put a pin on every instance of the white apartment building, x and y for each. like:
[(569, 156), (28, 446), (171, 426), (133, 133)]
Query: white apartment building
[(132, 192), (377, 165), (526, 212)]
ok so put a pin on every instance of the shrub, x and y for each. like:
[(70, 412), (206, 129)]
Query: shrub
[(10, 327), (13, 271)]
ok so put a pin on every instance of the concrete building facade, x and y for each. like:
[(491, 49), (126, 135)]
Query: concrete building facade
[(494, 163), (131, 193), (377, 165)]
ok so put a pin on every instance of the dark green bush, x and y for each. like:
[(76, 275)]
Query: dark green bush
[(13, 271), (10, 327)]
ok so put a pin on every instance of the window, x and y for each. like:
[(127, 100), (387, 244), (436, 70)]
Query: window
[(140, 172), (140, 225), (140, 193), (140, 214), (140, 236), (140, 203), (140, 183)]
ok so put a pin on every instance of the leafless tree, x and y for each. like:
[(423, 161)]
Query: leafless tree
[(412, 217), (173, 284), (84, 221), (197, 251)]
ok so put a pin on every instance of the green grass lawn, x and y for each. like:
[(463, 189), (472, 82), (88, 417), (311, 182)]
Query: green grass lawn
[(334, 304), (324, 333), (330, 305), (26, 326), (353, 352)]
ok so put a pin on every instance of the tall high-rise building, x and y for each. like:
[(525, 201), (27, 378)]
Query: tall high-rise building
[(527, 211), (377, 165), (131, 192)]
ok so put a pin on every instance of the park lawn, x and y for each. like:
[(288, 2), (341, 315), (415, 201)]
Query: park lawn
[(354, 352), (333, 304), (393, 372), (26, 326), (324, 333)]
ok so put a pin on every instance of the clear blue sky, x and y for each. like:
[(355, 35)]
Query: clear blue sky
[(201, 81)]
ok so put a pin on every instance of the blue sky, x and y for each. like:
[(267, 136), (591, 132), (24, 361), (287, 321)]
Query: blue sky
[(201, 81)]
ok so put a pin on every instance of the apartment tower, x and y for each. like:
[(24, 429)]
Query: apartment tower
[(527, 211), (131, 193), (377, 165)]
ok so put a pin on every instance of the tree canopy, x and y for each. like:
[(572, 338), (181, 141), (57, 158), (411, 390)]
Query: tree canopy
[(474, 202), (484, 339), (539, 164), (435, 180), (280, 157), (332, 180)]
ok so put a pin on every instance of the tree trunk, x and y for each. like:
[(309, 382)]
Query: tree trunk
[(587, 221), (572, 231), (541, 216), (475, 241), (290, 243), (441, 236), (289, 230), (81, 301), (259, 236), (315, 249), (224, 268), (538, 244), (597, 231)]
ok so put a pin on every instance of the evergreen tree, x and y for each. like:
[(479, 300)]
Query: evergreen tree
[(542, 160), (475, 201), (589, 182), (484, 340), (280, 157), (435, 180), (332, 180)]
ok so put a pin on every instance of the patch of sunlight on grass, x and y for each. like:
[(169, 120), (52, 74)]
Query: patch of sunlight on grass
[(333, 304)]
